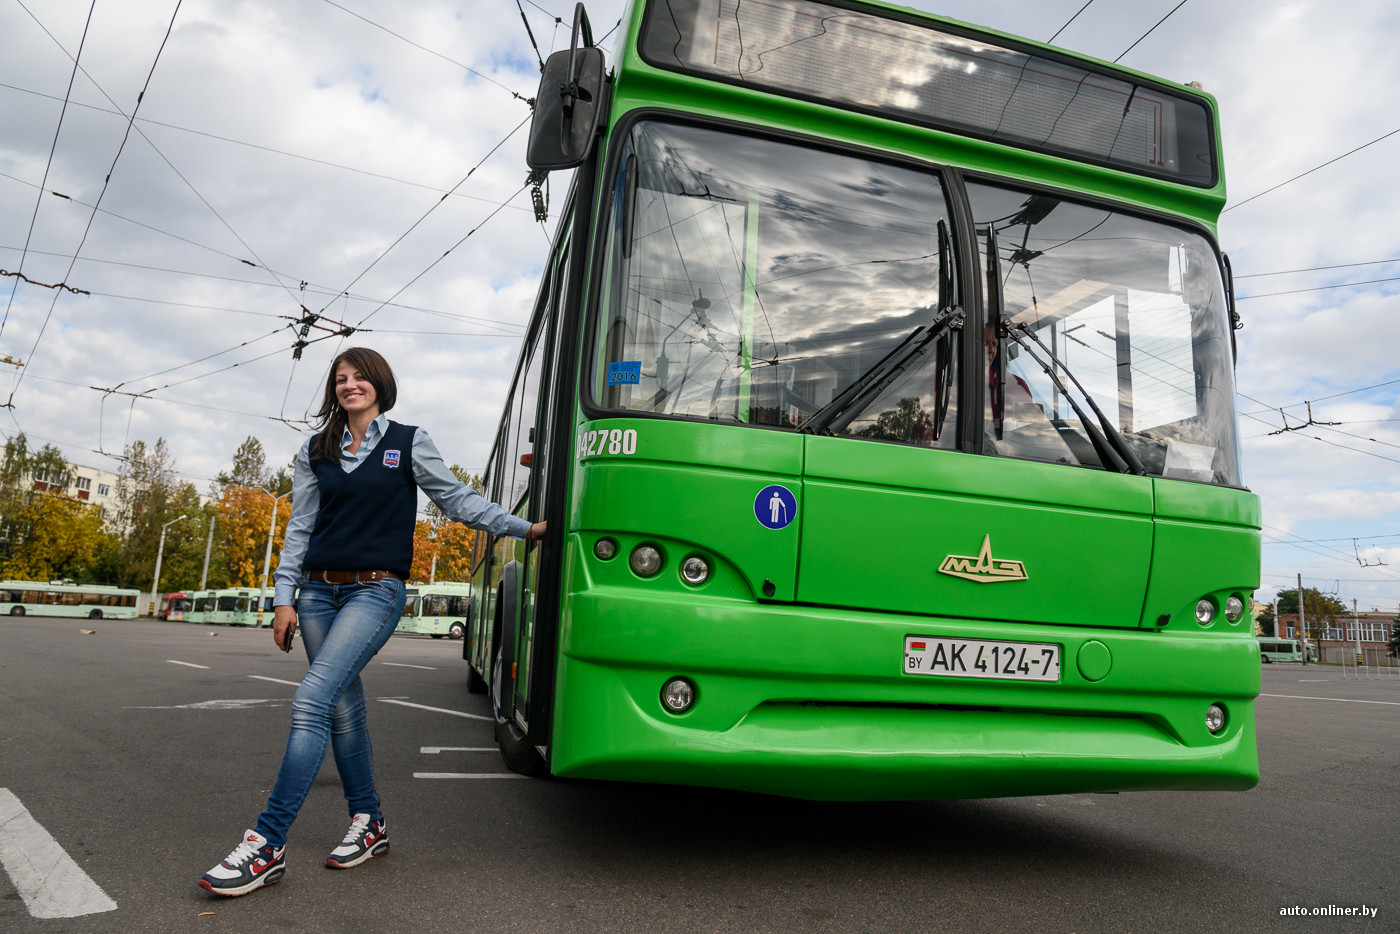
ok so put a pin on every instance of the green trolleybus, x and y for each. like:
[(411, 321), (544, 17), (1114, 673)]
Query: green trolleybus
[(436, 609), (879, 394), (65, 598)]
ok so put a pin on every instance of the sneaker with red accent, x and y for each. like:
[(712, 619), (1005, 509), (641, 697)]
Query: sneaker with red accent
[(253, 864), (365, 840)]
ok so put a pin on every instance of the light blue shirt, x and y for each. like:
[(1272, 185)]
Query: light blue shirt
[(458, 502)]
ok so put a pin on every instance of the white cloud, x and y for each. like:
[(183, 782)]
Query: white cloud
[(338, 136)]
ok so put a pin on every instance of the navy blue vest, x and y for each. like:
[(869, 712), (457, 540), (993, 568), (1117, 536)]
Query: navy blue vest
[(366, 518)]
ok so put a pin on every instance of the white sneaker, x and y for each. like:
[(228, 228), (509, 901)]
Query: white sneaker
[(253, 864), (365, 840)]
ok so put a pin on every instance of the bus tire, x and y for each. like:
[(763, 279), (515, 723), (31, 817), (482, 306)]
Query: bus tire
[(16, 611), (476, 684), (519, 753), (95, 614), (456, 631)]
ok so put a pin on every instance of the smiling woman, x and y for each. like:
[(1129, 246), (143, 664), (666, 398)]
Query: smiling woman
[(342, 574)]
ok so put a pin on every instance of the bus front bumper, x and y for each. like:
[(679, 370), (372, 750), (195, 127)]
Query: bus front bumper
[(814, 702)]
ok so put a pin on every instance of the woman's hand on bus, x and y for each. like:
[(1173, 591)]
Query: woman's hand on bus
[(536, 532), (284, 626)]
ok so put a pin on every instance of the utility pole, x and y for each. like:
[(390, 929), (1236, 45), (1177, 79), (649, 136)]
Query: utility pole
[(1302, 620), (204, 575), (160, 553), (1356, 630), (267, 556)]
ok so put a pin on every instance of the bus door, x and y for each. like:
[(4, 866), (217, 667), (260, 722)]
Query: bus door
[(539, 569)]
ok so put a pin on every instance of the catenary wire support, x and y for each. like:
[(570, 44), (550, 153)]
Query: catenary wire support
[(539, 196), (63, 286)]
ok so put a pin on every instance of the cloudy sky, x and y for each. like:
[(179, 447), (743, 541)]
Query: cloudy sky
[(293, 153)]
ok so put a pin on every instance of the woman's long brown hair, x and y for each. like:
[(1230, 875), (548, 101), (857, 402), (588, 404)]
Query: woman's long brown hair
[(330, 420)]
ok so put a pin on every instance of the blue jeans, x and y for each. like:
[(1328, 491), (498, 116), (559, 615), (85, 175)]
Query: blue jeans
[(342, 626)]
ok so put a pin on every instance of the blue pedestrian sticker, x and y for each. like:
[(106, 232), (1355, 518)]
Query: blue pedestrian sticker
[(774, 507), (626, 373)]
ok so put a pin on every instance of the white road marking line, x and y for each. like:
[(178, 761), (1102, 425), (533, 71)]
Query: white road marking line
[(46, 877), (455, 713), (187, 664), (1314, 680), (403, 665), (232, 704), (295, 684), (434, 750), (468, 775), (1344, 700)]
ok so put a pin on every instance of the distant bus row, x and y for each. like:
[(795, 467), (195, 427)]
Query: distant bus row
[(436, 610)]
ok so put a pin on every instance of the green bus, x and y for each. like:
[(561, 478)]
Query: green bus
[(1272, 650), (232, 606), (879, 394), (65, 598), (436, 609)]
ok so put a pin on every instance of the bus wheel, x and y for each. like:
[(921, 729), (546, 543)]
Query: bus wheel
[(476, 684), (95, 614), (16, 611), (518, 752), (456, 631)]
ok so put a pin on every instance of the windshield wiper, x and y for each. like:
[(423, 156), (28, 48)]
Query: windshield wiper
[(1110, 445), (849, 403), (841, 411)]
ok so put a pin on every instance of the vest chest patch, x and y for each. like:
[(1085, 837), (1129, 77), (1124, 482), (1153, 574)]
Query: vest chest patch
[(391, 458)]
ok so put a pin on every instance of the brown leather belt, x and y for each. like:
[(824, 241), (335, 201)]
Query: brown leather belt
[(348, 577)]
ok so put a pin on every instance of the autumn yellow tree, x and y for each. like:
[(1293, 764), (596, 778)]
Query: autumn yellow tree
[(60, 535), (450, 543), (244, 515)]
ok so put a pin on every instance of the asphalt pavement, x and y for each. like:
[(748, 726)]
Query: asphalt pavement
[(140, 750)]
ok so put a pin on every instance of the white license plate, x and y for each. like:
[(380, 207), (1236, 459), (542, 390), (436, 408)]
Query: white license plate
[(981, 658)]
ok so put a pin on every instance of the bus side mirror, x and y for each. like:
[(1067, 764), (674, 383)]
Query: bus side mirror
[(568, 106)]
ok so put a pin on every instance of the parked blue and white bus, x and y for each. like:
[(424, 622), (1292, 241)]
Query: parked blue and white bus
[(436, 610), (64, 598)]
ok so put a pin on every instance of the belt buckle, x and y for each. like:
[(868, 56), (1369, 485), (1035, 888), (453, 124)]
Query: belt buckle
[(324, 578)]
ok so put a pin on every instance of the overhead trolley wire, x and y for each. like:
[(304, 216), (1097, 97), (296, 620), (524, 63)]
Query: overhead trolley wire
[(424, 48), (238, 142), (426, 213), (1312, 170), (1289, 272), (72, 77), (1066, 25), (106, 182), (445, 254), (1150, 31)]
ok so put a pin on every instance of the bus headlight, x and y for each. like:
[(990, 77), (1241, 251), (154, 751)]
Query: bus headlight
[(1215, 718), (1205, 611), (1234, 608), (605, 549), (646, 560), (678, 695), (694, 570)]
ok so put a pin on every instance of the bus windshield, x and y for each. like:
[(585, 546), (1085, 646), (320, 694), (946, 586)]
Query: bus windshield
[(1134, 309), (752, 282)]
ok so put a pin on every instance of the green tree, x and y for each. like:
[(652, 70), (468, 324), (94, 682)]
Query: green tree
[(1394, 646), (146, 493), (1267, 621), (906, 422), (59, 536), (249, 466)]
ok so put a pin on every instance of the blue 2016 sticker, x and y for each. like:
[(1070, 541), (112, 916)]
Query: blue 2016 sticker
[(774, 507), (626, 373)]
